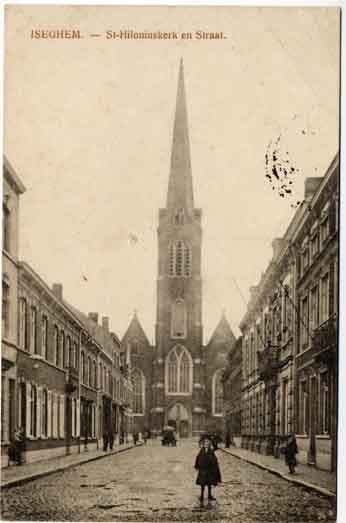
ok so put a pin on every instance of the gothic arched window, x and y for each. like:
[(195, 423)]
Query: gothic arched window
[(184, 372), (138, 392), (179, 371), (178, 326), (179, 259), (217, 393)]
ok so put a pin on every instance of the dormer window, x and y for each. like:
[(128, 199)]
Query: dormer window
[(179, 217)]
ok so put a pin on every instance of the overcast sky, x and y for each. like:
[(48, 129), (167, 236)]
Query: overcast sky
[(88, 128)]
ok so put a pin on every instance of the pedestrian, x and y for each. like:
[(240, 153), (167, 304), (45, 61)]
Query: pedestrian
[(105, 440), (135, 438), (209, 474), (145, 436), (19, 442), (228, 440), (290, 452), (111, 439)]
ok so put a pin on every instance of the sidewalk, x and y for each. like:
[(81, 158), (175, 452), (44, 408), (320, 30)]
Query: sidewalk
[(311, 478), (17, 475)]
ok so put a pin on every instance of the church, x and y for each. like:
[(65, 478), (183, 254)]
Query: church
[(178, 381)]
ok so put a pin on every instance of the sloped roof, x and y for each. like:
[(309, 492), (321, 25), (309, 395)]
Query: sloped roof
[(222, 332), (101, 335), (135, 330)]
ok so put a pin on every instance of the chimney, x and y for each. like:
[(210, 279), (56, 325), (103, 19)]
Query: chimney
[(105, 323), (94, 316), (277, 245), (311, 185), (57, 290)]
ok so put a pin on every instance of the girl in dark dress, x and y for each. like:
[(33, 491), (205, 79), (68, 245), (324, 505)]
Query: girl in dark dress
[(290, 453), (208, 469)]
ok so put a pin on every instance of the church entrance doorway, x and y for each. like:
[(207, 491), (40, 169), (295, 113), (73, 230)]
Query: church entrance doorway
[(178, 418)]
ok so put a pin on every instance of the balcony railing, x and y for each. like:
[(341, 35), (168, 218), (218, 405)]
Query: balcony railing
[(267, 363), (325, 335), (73, 374)]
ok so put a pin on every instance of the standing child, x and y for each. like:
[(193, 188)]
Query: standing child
[(208, 469)]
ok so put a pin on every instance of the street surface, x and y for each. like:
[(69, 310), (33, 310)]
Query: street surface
[(154, 483)]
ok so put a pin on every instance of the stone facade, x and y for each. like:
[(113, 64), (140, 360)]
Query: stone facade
[(232, 386), (316, 243), (290, 334)]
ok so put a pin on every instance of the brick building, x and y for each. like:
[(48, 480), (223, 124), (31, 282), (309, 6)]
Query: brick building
[(12, 189), (63, 379), (178, 381)]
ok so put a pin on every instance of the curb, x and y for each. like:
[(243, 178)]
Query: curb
[(26, 479), (300, 482)]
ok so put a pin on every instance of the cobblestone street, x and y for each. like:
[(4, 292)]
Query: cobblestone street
[(154, 483)]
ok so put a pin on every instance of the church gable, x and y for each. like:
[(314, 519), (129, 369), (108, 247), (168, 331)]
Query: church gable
[(135, 336), (222, 338)]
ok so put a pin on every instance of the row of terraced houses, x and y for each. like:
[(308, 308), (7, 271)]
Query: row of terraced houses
[(65, 379), (282, 375)]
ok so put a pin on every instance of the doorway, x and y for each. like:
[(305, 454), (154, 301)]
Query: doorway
[(178, 418)]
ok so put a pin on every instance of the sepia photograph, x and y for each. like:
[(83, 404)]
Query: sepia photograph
[(170, 264)]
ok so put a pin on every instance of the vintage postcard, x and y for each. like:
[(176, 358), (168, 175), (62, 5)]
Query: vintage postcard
[(170, 263)]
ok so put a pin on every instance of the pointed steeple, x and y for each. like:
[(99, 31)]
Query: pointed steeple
[(180, 192)]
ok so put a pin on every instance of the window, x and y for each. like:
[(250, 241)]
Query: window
[(217, 391), (5, 309), (324, 298), (314, 307), (287, 312), (56, 347), (179, 259), (82, 363), (178, 218), (305, 258), (304, 408), (70, 352), (33, 411), (23, 324), (62, 341), (89, 371), (284, 411), (33, 330), (179, 371), (304, 323), (324, 407), (44, 337), (184, 373), (134, 347), (6, 228), (44, 414), (75, 355), (94, 375), (101, 377), (314, 245), (324, 229), (178, 329), (67, 351)]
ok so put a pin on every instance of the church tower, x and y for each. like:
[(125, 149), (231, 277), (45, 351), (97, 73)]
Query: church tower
[(178, 386)]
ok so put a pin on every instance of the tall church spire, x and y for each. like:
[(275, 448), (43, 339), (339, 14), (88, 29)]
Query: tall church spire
[(180, 192)]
